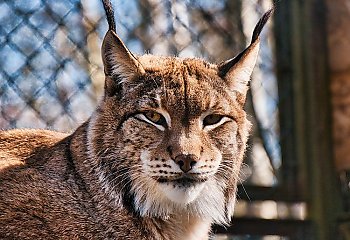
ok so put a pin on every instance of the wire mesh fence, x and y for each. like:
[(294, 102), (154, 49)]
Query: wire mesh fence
[(51, 73)]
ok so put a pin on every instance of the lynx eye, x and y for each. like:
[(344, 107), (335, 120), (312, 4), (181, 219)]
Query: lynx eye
[(155, 117), (212, 119)]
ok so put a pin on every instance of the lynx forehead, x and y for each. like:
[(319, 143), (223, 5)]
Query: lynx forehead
[(158, 159), (182, 88)]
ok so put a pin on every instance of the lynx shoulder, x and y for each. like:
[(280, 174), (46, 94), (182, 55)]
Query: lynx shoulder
[(158, 159), (19, 144)]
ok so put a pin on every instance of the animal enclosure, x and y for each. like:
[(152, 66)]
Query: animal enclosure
[(51, 76)]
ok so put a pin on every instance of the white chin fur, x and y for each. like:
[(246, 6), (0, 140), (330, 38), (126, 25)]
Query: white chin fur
[(206, 201), (181, 195)]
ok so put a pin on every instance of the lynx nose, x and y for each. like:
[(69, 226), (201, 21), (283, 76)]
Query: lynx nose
[(186, 161)]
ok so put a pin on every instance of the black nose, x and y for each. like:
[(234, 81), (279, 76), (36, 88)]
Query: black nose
[(186, 161)]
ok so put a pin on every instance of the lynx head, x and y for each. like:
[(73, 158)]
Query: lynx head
[(170, 134)]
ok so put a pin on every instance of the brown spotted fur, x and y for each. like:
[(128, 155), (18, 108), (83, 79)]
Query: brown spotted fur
[(106, 180)]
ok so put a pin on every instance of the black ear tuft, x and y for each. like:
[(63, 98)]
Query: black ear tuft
[(109, 14), (236, 71), (260, 25)]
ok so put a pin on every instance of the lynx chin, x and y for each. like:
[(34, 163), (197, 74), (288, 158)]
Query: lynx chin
[(158, 159)]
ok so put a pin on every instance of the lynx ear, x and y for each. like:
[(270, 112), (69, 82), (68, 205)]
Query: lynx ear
[(119, 62), (237, 71)]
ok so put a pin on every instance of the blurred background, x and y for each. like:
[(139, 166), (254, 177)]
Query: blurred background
[(295, 179)]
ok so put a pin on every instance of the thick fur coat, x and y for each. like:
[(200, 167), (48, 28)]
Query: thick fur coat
[(158, 159)]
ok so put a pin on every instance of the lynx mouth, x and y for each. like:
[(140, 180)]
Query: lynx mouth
[(182, 190), (183, 181)]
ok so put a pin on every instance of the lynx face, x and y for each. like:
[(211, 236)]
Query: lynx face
[(189, 154), (170, 134)]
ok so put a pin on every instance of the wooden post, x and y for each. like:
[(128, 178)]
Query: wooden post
[(302, 62), (339, 61)]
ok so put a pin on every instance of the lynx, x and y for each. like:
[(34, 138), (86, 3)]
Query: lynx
[(158, 159)]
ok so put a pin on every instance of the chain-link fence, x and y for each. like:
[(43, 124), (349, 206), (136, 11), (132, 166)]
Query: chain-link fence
[(51, 71)]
